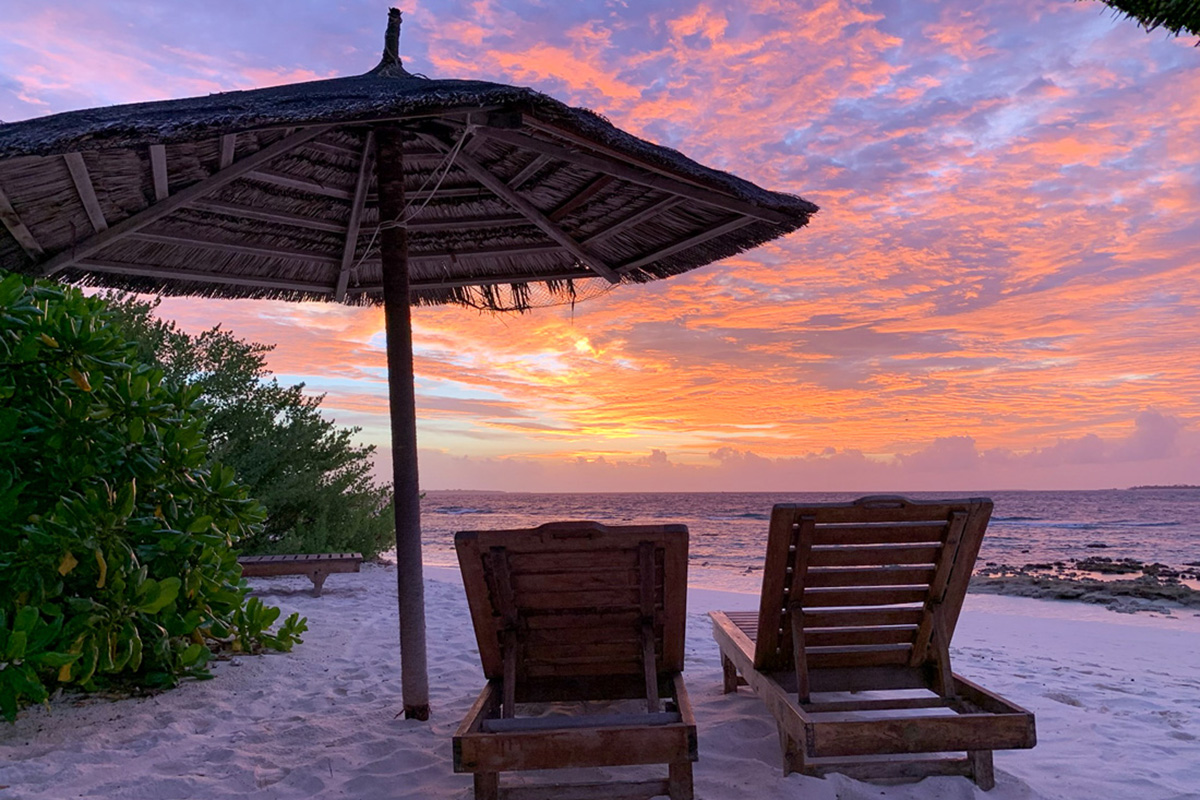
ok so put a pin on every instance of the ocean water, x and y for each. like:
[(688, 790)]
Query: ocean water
[(728, 529)]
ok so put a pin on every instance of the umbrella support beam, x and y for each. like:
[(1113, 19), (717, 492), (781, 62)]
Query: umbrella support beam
[(410, 585)]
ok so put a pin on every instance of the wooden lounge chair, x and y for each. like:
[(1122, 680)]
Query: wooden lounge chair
[(317, 566), (849, 649), (578, 611)]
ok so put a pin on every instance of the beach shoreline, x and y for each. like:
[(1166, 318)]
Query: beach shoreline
[(1114, 696)]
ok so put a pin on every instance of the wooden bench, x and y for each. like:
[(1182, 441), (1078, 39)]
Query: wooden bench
[(317, 566)]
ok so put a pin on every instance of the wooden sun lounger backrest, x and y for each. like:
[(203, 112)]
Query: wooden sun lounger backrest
[(569, 598), (878, 582)]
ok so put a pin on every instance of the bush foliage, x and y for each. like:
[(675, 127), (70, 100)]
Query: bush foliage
[(116, 529), (313, 480)]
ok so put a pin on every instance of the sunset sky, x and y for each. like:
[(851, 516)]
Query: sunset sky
[(1001, 290)]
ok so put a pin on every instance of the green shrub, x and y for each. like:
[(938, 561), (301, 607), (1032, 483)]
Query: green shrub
[(314, 482), (116, 530)]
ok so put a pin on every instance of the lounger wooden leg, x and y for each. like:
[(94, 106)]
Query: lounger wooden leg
[(487, 786), (793, 756), (731, 676), (318, 580), (679, 782), (982, 769)]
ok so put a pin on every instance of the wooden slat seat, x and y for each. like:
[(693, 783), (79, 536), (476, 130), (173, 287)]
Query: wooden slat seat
[(317, 566), (863, 597), (578, 611)]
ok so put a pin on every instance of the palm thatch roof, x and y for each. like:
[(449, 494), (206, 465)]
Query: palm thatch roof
[(1174, 15), (514, 199)]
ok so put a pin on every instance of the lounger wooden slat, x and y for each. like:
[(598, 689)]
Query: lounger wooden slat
[(619, 645), (590, 668), (317, 566), (906, 533), (560, 723), (861, 618), (591, 791), (590, 598), (819, 577), (842, 706), (864, 678), (578, 611), (563, 748), (580, 618), (575, 638), (564, 688), (623, 650), (864, 597), (961, 732), (885, 634), (841, 597), (527, 563), (577, 581), (545, 649), (886, 513), (872, 555), (830, 658)]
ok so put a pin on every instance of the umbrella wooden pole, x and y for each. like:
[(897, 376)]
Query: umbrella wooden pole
[(410, 586)]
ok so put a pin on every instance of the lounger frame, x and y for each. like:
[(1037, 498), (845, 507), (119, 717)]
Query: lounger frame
[(861, 598), (571, 612)]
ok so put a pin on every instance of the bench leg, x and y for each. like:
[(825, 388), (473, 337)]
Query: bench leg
[(487, 786), (982, 769), (318, 577), (730, 673)]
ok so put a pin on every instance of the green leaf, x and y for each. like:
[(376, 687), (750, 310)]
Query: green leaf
[(8, 700), (159, 594), (55, 660), (25, 619), (200, 524), (126, 498), (11, 289), (16, 646), (135, 652), (192, 654), (106, 652)]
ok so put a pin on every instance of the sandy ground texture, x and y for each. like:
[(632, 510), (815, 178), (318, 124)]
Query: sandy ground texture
[(1117, 699)]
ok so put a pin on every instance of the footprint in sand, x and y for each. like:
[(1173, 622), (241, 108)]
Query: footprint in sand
[(217, 756), (1065, 699), (1176, 719), (1114, 688), (267, 776)]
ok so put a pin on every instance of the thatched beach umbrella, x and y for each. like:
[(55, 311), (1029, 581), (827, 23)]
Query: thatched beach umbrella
[(384, 188)]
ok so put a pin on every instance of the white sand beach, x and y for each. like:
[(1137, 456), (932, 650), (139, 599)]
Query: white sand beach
[(1117, 699)]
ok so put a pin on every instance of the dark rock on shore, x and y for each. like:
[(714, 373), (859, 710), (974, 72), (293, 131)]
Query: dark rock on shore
[(1145, 593)]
